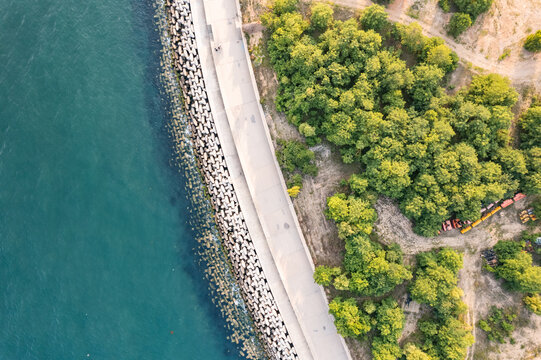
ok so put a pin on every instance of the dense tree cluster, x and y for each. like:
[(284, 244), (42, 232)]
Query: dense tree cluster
[(516, 267), (385, 319), (438, 155), (370, 269), (530, 138), (533, 42), (445, 335), (389, 326)]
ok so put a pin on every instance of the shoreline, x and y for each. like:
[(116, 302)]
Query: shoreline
[(259, 183), (214, 170)]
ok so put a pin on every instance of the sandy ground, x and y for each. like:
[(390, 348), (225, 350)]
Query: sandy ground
[(480, 287)]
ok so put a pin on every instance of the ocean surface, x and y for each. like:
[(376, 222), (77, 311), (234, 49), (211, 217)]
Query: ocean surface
[(96, 256)]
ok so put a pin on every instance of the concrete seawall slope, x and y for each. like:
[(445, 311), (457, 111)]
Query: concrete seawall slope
[(302, 303)]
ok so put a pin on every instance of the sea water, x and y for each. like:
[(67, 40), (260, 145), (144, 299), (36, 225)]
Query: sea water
[(96, 255)]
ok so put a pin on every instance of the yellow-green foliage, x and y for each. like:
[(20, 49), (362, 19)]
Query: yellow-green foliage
[(533, 303), (294, 191), (437, 155)]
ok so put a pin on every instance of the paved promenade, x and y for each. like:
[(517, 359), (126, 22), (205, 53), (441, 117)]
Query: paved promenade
[(258, 181)]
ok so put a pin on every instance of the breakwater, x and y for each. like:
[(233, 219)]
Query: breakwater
[(228, 215), (223, 288)]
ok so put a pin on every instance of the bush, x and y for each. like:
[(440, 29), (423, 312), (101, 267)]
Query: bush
[(499, 324), (444, 5), (533, 42), (293, 155), (458, 24), (533, 303), (294, 191)]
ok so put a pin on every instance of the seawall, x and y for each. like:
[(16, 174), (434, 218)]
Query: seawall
[(229, 218), (218, 26)]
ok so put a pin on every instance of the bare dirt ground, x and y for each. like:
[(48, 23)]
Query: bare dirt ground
[(504, 26), (480, 287)]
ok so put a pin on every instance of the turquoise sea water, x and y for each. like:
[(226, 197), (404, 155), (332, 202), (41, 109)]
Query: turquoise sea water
[(96, 258)]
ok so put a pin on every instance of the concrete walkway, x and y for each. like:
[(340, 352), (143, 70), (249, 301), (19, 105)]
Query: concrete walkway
[(258, 181)]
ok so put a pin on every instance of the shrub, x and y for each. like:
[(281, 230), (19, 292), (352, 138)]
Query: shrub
[(294, 191), (293, 155), (444, 5), (458, 24), (499, 324), (533, 42), (533, 303)]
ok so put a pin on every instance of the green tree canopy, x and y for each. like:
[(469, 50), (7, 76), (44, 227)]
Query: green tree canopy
[(350, 321), (322, 16), (473, 7), (374, 17), (533, 42), (458, 24)]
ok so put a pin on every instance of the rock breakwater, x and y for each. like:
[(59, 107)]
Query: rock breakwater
[(228, 215)]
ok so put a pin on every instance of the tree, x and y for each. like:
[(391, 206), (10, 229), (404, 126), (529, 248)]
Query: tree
[(306, 130), (530, 127), (371, 273), (426, 85), (492, 90), (533, 42), (352, 215), (443, 57), (389, 320), (374, 17), (322, 16), (507, 249), (294, 191), (520, 273), (512, 161), (284, 6), (445, 6), (473, 7), (324, 274), (435, 282), (389, 177), (412, 352), (458, 24), (453, 339), (350, 321), (384, 350), (411, 36)]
